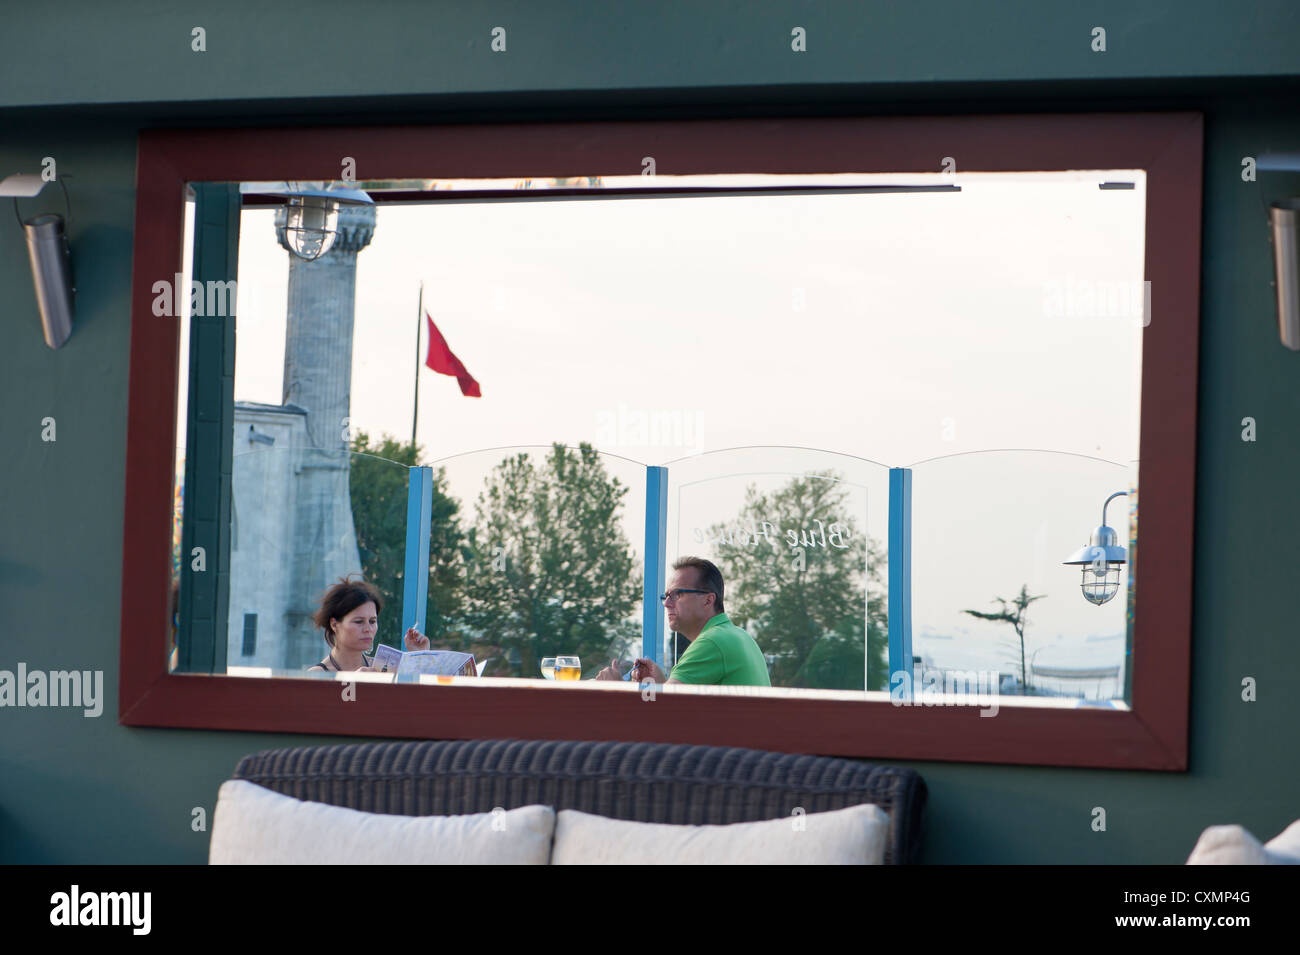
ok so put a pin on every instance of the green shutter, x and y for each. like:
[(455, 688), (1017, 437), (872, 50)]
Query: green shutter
[(209, 442)]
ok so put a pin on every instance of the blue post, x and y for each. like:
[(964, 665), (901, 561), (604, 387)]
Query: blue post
[(656, 546), (900, 579), (415, 582)]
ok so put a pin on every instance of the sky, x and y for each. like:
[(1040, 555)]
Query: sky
[(894, 328)]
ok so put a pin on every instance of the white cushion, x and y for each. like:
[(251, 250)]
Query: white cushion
[(1285, 846), (253, 825), (1233, 845), (852, 836)]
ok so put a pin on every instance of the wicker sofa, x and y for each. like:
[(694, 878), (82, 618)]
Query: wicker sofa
[(646, 782)]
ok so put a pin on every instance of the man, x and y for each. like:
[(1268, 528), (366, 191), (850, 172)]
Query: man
[(720, 652)]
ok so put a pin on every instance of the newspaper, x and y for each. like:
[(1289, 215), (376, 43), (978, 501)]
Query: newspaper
[(412, 664)]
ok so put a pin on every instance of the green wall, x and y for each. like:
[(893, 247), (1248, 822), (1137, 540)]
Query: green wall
[(77, 790), (142, 52)]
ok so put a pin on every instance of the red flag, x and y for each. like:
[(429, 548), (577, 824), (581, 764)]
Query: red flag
[(442, 361)]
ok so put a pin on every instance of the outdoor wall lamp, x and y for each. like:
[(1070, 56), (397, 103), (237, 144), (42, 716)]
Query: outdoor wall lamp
[(1101, 560), (51, 259), (311, 212), (1284, 220), (1284, 233)]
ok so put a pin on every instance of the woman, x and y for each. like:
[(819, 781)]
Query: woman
[(349, 618)]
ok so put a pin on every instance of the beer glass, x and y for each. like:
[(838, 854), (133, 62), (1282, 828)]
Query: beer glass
[(568, 668)]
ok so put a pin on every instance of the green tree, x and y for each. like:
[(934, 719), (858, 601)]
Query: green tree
[(1013, 612), (379, 498), (553, 572), (806, 603)]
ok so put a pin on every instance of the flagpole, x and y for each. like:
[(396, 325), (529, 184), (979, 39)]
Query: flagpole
[(415, 410)]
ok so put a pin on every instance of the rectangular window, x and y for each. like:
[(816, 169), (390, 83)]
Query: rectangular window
[(800, 404)]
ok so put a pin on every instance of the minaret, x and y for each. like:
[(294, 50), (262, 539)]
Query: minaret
[(318, 378), (318, 337)]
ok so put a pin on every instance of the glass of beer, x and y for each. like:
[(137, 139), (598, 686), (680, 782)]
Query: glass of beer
[(568, 668), (548, 667)]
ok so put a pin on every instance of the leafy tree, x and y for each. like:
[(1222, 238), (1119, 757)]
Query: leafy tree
[(553, 572), (379, 498), (806, 603), (1013, 612)]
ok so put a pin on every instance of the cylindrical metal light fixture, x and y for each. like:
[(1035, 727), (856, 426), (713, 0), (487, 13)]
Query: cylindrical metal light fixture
[(1284, 222), (47, 246), (311, 225), (311, 212), (51, 259), (1101, 560)]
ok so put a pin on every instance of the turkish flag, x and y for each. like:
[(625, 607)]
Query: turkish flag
[(441, 360)]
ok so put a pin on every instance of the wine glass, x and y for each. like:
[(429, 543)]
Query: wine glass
[(568, 668), (548, 667)]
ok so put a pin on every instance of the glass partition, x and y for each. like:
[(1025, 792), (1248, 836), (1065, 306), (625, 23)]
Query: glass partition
[(800, 537), (536, 552), (992, 595)]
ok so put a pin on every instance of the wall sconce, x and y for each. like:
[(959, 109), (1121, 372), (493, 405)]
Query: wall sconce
[(312, 212), (1284, 233), (1284, 227), (1101, 560), (51, 259)]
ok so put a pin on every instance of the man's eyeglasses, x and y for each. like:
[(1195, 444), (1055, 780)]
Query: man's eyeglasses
[(672, 595)]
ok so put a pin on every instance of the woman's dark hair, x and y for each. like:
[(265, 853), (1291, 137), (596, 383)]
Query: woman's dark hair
[(343, 598)]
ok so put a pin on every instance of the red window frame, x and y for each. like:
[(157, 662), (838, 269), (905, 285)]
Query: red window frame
[(1152, 735)]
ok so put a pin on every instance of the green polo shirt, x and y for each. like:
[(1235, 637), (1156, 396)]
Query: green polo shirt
[(722, 654)]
